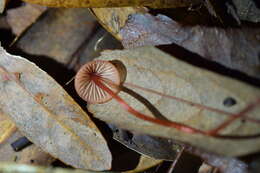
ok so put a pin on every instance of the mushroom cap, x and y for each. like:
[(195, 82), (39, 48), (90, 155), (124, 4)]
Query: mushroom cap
[(86, 87)]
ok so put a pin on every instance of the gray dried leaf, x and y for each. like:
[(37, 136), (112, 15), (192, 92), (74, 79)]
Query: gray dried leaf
[(48, 116), (155, 147), (234, 48)]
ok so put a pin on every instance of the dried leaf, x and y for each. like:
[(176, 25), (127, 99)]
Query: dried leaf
[(158, 148), (144, 164), (22, 17), (21, 168), (7, 128), (48, 116), (150, 68), (234, 48), (35, 156), (115, 18), (58, 34), (116, 3)]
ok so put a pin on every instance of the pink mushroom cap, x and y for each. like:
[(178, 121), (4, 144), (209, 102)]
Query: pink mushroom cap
[(87, 88)]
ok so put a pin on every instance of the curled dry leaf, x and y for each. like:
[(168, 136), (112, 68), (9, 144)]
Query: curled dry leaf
[(234, 48), (22, 17), (151, 68), (48, 116), (116, 3)]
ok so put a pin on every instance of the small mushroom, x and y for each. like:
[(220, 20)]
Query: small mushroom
[(86, 86)]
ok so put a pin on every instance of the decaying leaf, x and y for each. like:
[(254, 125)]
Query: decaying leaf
[(144, 164), (116, 3), (22, 17), (113, 19), (48, 116), (150, 68), (158, 148), (234, 48), (21, 168), (58, 34), (7, 127)]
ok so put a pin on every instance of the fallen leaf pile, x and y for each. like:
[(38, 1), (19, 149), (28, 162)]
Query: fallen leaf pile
[(204, 53)]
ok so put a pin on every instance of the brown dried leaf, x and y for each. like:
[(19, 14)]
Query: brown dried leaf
[(116, 3), (150, 68), (48, 116), (58, 34), (234, 48), (22, 17)]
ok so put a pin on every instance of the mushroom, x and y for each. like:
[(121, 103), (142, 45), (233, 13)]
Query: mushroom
[(109, 71)]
